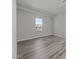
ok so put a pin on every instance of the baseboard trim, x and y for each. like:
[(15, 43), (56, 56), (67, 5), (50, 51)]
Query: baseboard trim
[(33, 38), (60, 36), (41, 37)]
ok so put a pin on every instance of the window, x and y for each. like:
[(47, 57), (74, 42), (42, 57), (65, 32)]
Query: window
[(38, 24)]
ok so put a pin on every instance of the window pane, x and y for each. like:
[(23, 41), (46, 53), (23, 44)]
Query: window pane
[(39, 21), (38, 24)]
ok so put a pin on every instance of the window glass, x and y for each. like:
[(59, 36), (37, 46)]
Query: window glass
[(39, 24), (39, 21)]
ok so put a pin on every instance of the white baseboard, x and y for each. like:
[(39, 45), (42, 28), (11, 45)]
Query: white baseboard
[(60, 35), (42, 36), (32, 38)]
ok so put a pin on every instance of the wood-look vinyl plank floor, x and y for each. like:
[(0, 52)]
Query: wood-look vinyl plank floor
[(50, 47)]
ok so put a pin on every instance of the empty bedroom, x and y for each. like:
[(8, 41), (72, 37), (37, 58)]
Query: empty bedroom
[(41, 29)]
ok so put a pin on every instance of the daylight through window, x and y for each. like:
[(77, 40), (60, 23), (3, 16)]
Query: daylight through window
[(38, 24)]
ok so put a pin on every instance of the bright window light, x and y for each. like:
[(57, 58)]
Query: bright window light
[(39, 21), (39, 24)]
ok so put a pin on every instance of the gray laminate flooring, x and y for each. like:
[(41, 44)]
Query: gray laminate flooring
[(50, 47)]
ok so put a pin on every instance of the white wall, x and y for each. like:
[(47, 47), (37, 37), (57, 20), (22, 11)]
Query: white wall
[(25, 25), (60, 25)]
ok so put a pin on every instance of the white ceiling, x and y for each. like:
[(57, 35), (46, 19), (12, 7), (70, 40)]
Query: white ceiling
[(52, 6)]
